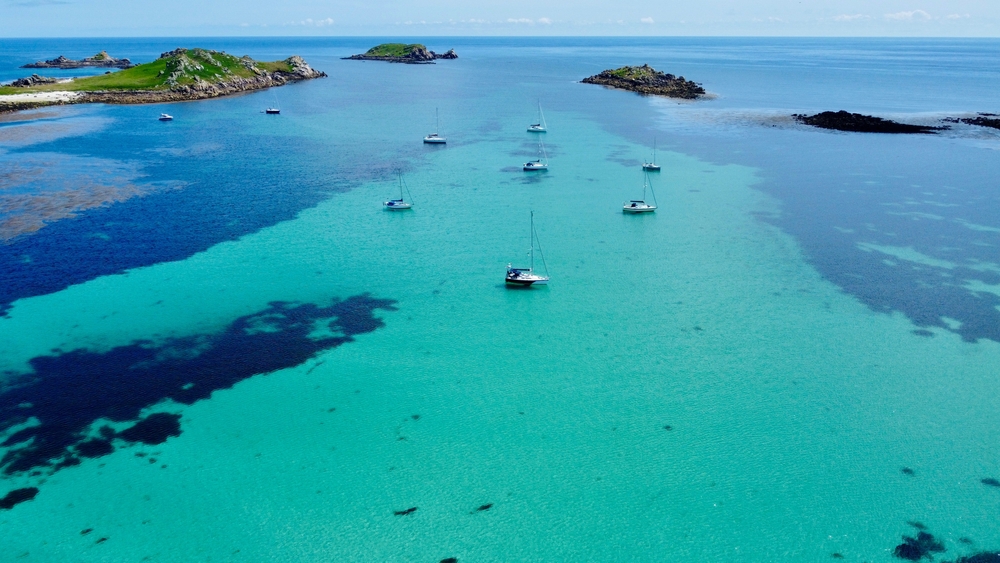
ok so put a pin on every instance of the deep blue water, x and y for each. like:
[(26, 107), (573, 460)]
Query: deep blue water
[(818, 176)]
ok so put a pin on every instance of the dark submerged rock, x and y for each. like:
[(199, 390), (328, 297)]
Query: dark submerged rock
[(17, 496), (647, 81), (485, 507), (982, 557), (915, 549), (858, 123), (990, 482), (406, 512), (907, 471), (154, 429), (449, 560)]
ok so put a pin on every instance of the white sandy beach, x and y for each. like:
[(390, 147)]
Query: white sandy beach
[(40, 97)]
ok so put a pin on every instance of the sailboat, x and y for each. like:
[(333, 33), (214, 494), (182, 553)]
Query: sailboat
[(434, 138), (526, 277), (540, 126), (640, 205), (652, 166), (399, 204), (166, 117), (275, 109), (539, 164)]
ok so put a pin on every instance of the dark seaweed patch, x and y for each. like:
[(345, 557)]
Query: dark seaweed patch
[(907, 471), (17, 496), (668, 428), (86, 531), (449, 560), (990, 482), (406, 512), (94, 448), (917, 525), (982, 557), (154, 429), (915, 549), (485, 507), (837, 555), (101, 540), (69, 391), (965, 540)]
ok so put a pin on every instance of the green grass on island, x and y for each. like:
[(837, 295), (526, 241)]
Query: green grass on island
[(634, 72), (393, 50), (187, 67)]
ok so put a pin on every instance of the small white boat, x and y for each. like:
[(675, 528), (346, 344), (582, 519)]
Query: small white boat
[(526, 277), (540, 126), (166, 117), (434, 138), (272, 111), (652, 166), (399, 204), (539, 164), (640, 205)]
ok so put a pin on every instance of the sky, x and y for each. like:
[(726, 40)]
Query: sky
[(139, 18)]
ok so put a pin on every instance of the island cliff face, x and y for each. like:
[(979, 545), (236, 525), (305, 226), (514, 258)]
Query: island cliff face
[(401, 53), (102, 59), (178, 75), (648, 81)]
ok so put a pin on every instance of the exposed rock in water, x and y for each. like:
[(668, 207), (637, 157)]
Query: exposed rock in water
[(32, 80), (983, 120), (858, 123), (102, 59), (647, 80), (400, 53)]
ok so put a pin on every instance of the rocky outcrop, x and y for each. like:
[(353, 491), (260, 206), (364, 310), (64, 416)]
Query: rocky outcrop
[(102, 59), (858, 123), (32, 80), (648, 81), (983, 120), (406, 54)]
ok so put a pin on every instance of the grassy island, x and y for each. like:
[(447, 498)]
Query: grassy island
[(649, 81), (413, 53), (182, 74)]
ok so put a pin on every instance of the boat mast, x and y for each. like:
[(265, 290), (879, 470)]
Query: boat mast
[(437, 123), (531, 239), (654, 150)]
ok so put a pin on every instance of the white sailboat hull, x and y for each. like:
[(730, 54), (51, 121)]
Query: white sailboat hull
[(637, 207), (650, 167), (535, 166)]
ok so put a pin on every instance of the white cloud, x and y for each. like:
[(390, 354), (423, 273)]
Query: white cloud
[(647, 19), (521, 20), (851, 17), (544, 21), (909, 16), (309, 22)]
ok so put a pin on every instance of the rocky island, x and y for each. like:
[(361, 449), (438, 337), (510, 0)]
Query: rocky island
[(858, 123), (178, 75), (102, 59), (648, 81), (414, 54)]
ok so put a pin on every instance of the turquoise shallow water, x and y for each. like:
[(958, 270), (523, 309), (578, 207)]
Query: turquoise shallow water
[(693, 384)]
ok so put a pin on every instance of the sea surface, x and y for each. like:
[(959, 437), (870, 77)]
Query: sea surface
[(215, 345)]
